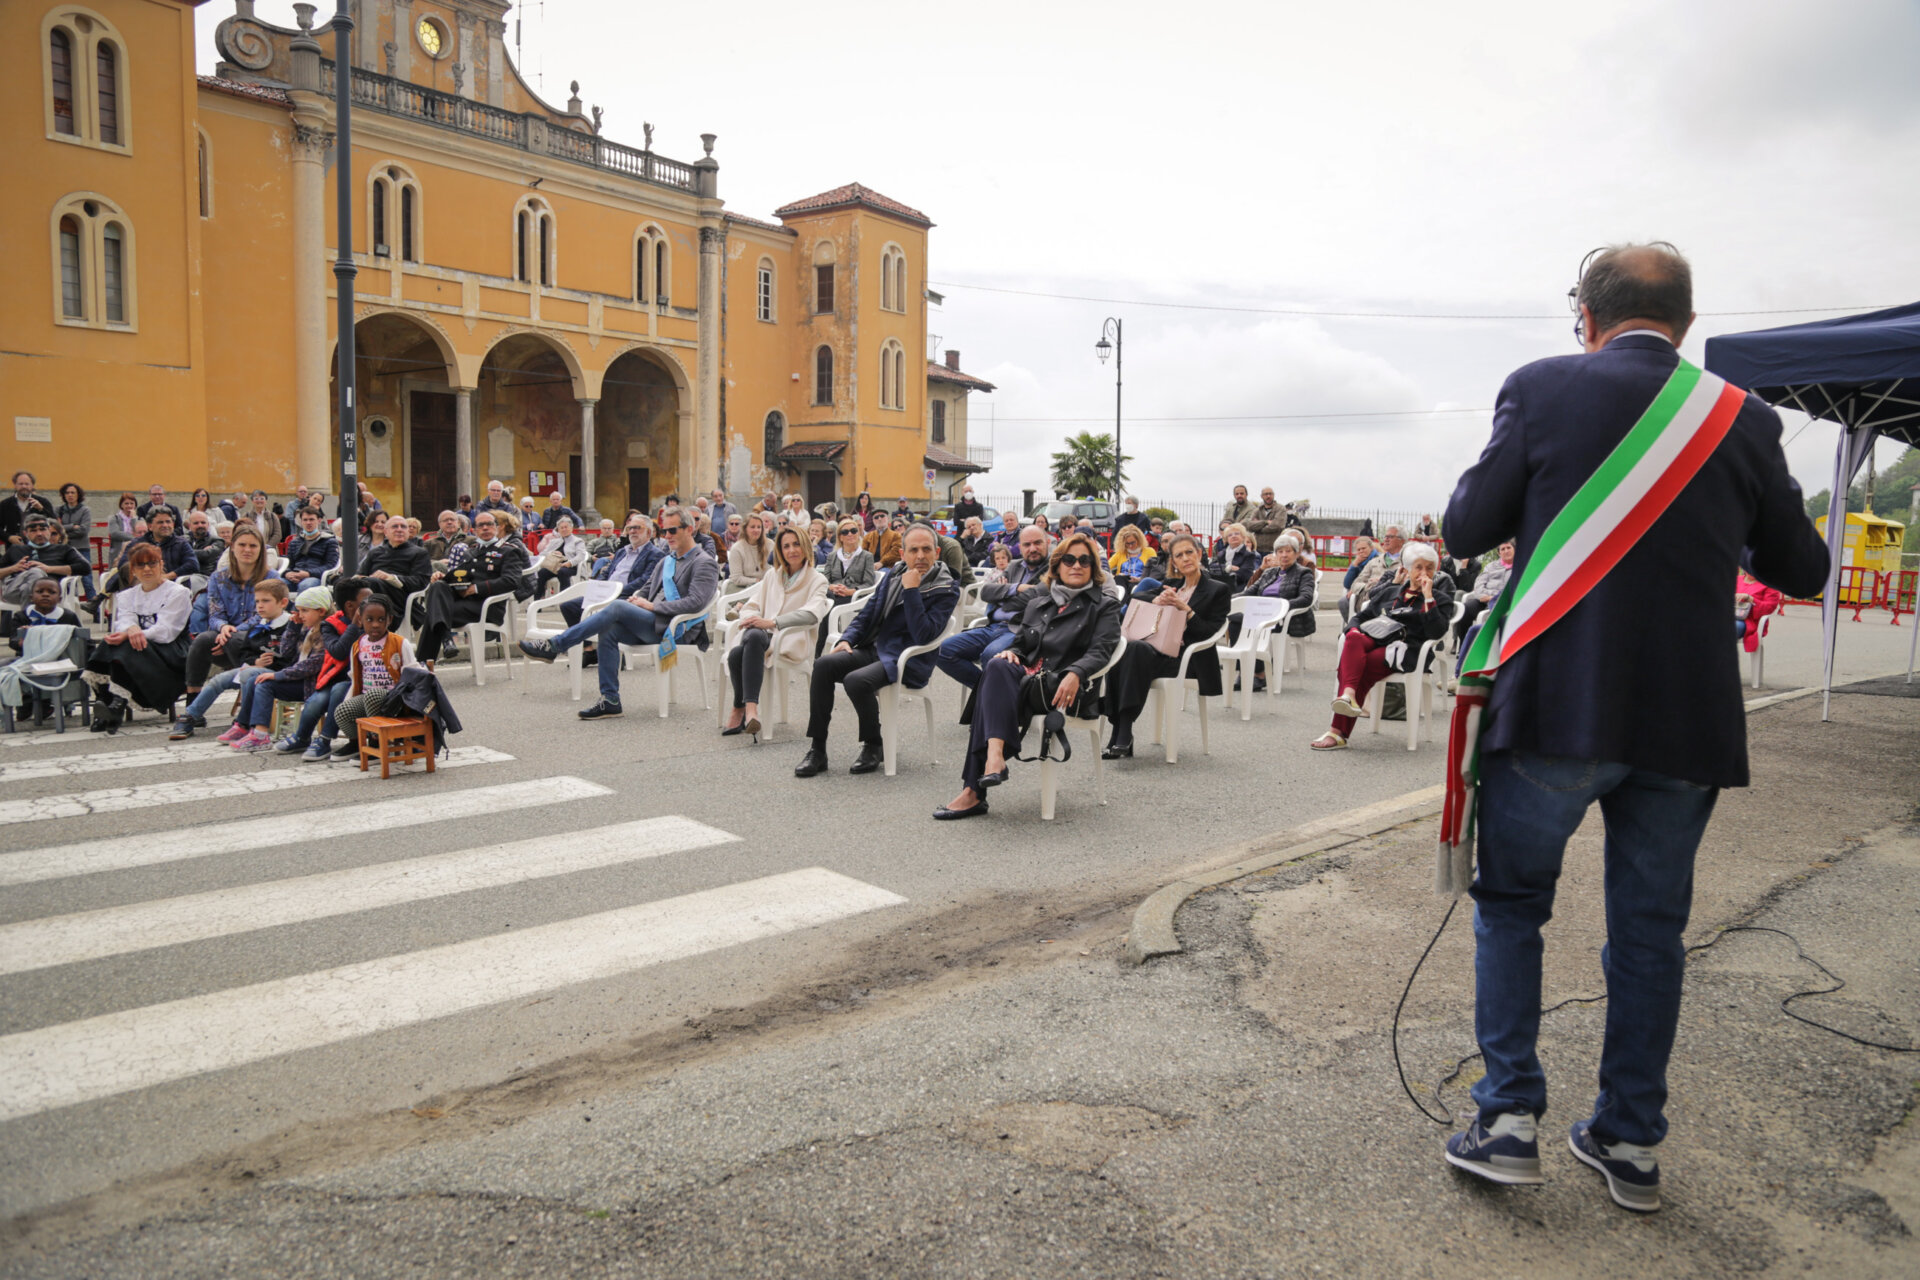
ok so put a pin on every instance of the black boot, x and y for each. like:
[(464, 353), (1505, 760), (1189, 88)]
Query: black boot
[(814, 762), (871, 757), (108, 718)]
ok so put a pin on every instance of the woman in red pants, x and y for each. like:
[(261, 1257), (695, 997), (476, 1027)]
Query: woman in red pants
[(1386, 633)]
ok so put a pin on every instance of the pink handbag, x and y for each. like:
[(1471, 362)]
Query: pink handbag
[(1159, 625)]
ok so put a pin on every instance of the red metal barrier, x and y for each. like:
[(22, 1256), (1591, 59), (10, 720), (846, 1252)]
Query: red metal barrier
[(1900, 596)]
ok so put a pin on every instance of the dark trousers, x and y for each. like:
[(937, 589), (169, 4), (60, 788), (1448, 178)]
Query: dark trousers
[(1475, 607), (540, 580), (442, 613), (996, 714), (201, 659), (1528, 807), (863, 676), (1126, 688), (747, 663)]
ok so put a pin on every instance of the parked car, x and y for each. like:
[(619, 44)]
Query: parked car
[(1101, 513), (990, 519)]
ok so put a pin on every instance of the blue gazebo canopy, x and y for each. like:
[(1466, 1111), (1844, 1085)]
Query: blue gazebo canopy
[(1859, 371), (1862, 372)]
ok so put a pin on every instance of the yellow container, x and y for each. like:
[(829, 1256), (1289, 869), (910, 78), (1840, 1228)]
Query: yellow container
[(1872, 543)]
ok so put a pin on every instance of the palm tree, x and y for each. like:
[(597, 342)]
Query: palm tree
[(1086, 467)]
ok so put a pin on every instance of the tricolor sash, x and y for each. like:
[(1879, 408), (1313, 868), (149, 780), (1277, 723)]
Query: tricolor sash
[(1638, 481)]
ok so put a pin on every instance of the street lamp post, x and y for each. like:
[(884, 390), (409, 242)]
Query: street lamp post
[(1101, 349), (343, 276)]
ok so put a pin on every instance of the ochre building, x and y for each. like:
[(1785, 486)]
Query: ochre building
[(535, 303)]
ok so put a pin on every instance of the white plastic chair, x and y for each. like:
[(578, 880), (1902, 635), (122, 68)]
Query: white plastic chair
[(629, 655), (896, 693), (1293, 648), (1096, 728), (479, 629), (779, 675), (72, 591), (593, 596), (1259, 617), (1757, 660), (1419, 685), (1166, 715), (969, 606)]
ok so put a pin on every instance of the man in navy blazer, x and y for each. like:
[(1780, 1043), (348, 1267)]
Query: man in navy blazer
[(910, 606), (630, 566), (1632, 699)]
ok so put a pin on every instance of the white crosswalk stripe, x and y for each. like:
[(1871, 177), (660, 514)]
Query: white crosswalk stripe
[(60, 1066), (75, 735), (108, 761), (89, 935), (54, 862), (119, 799)]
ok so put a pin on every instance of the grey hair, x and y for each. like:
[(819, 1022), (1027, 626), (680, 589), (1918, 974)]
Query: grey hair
[(1414, 552), (1638, 282), (1392, 531)]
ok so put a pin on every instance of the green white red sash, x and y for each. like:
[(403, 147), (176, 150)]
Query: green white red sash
[(1641, 477)]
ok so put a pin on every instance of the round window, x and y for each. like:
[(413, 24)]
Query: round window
[(432, 34)]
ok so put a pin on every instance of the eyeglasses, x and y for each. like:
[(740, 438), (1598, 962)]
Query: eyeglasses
[(1084, 560), (849, 533)]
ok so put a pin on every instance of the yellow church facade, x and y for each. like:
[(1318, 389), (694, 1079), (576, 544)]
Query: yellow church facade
[(534, 302)]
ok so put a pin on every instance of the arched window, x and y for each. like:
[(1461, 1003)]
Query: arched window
[(823, 375), (73, 284), (776, 437), (60, 69), (893, 278), (378, 232), (85, 72), (893, 375), (206, 174), (393, 210), (93, 263), (409, 251), (107, 87), (763, 290), (535, 242), (652, 267), (823, 257)]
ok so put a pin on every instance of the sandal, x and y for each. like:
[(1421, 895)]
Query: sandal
[(1328, 741), (1345, 707)]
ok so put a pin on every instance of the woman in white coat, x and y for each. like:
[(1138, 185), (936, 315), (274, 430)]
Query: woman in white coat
[(789, 599)]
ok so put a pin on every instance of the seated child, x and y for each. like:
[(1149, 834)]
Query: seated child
[(268, 641)]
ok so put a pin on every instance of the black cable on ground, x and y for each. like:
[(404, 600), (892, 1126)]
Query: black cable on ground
[(1785, 1007)]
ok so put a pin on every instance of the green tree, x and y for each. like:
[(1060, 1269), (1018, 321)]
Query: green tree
[(1086, 466), (1892, 486)]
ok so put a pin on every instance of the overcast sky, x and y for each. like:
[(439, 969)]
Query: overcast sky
[(1372, 157)]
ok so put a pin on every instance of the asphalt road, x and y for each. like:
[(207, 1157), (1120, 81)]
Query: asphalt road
[(221, 991)]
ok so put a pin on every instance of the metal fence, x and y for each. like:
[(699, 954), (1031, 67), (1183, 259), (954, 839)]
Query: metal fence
[(1205, 517)]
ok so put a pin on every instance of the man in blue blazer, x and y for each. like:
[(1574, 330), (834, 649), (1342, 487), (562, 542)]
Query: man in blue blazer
[(910, 606), (630, 566), (1632, 699)]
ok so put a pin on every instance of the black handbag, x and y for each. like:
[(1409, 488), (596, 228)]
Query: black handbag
[(1037, 691)]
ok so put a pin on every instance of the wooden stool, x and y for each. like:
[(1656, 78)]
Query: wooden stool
[(284, 714), (395, 742)]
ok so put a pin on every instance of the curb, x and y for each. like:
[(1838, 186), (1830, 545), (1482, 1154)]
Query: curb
[(1152, 933)]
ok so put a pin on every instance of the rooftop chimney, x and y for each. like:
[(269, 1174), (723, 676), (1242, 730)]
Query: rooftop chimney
[(953, 360)]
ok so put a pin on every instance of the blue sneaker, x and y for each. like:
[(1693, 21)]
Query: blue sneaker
[(1632, 1172), (316, 753), (1506, 1149)]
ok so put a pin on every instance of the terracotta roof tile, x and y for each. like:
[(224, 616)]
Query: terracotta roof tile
[(756, 222), (854, 194), (242, 89), (940, 373)]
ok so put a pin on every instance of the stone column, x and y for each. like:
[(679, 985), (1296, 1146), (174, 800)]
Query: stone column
[(463, 445), (402, 38), (312, 429), (705, 471), (496, 63), (584, 500), (464, 72)]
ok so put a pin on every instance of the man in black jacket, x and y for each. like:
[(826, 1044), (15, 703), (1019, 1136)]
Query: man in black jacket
[(398, 566), (1645, 718), (312, 552), (497, 566), (18, 505)]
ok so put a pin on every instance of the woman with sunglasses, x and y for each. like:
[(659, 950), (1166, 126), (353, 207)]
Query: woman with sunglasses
[(1205, 601), (1068, 630)]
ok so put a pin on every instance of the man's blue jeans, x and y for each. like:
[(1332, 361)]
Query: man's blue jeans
[(1528, 807), (617, 624), (962, 655)]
